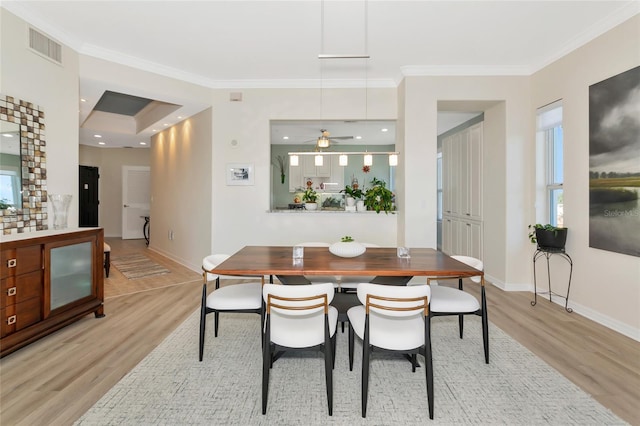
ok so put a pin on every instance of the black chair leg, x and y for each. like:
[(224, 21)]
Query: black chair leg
[(351, 344), (266, 366), (107, 263), (216, 317), (428, 364), (203, 319), (334, 343), (365, 377), (485, 327), (460, 317), (414, 361), (328, 372)]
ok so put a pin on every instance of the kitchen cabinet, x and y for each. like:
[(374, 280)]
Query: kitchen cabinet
[(309, 168), (462, 192), (48, 279), (462, 237), (295, 178), (330, 173)]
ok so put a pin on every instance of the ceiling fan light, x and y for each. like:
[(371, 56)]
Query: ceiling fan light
[(318, 160), (293, 160), (368, 160), (343, 160), (323, 142), (393, 159)]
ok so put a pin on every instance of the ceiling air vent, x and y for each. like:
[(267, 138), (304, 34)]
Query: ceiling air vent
[(44, 46)]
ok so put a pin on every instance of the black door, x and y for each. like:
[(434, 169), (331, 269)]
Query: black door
[(88, 196)]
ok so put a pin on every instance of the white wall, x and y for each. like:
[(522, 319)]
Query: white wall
[(606, 285), (26, 75), (181, 176), (109, 162), (240, 213), (508, 132)]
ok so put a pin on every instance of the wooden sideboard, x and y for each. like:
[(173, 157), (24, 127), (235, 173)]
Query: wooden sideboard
[(49, 279)]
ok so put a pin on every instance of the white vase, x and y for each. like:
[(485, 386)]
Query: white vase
[(347, 249), (351, 201), (60, 205), (360, 206), (311, 206)]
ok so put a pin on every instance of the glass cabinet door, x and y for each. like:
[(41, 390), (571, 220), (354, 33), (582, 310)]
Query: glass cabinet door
[(70, 274)]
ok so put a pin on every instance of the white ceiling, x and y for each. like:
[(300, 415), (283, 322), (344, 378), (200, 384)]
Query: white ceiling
[(369, 132), (244, 44)]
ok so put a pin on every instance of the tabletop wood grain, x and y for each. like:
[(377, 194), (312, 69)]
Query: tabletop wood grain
[(376, 261)]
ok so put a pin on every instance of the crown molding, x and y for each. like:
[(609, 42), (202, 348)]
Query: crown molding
[(463, 70), (607, 23)]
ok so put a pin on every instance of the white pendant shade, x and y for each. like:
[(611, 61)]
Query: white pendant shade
[(393, 159), (293, 160), (318, 160), (368, 159), (343, 160)]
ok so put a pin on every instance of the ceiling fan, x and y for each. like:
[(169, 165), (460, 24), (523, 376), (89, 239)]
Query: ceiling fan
[(324, 141)]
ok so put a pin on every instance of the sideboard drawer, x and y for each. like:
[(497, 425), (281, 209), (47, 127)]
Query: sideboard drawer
[(19, 316), (18, 289), (20, 260)]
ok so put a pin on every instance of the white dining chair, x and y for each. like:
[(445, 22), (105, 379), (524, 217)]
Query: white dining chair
[(243, 297), (394, 319), (299, 317), (447, 301)]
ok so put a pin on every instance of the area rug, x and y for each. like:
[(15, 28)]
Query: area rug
[(138, 266), (170, 386)]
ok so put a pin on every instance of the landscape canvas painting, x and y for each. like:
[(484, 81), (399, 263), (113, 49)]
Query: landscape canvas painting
[(614, 163)]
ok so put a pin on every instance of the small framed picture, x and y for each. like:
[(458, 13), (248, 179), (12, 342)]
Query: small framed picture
[(240, 174)]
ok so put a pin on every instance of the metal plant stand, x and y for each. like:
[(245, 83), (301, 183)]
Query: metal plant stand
[(547, 253), (145, 228)]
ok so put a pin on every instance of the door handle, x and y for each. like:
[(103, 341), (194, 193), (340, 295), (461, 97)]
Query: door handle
[(126, 205)]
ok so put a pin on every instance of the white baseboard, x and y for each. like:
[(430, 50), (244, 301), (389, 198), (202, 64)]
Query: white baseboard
[(613, 324), (183, 262)]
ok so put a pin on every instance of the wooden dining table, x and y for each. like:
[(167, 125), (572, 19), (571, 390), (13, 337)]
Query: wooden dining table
[(375, 261)]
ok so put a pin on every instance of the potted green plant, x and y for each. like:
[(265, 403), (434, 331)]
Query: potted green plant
[(379, 197), (548, 237), (310, 198), (282, 166), (353, 194)]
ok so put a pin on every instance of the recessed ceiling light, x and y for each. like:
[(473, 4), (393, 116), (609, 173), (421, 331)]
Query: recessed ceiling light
[(102, 143), (358, 137), (143, 143), (153, 130), (285, 137), (83, 100), (180, 116), (7, 135), (166, 124), (97, 136), (385, 130)]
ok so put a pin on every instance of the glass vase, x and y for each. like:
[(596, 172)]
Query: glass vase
[(60, 204)]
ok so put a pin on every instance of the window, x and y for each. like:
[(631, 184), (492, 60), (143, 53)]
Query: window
[(10, 188), (551, 137)]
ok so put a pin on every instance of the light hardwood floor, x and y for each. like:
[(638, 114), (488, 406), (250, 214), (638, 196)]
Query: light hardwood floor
[(56, 379)]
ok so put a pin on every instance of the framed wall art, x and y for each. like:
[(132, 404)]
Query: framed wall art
[(240, 174), (614, 163)]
